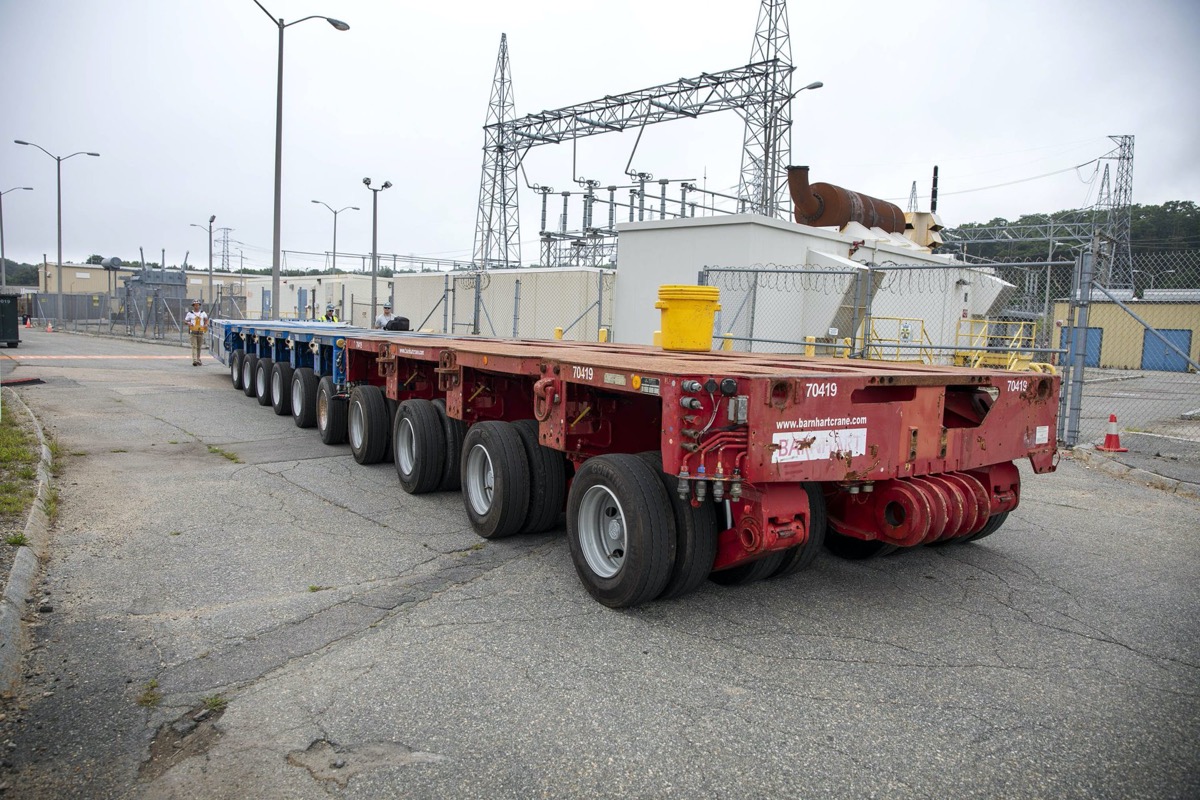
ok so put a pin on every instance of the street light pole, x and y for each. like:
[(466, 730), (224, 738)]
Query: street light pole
[(211, 220), (335, 215), (279, 23), (58, 160), (3, 263), (374, 239)]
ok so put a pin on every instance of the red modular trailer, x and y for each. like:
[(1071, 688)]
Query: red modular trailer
[(685, 464)]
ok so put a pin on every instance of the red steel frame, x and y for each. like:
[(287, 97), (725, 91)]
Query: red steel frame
[(904, 453)]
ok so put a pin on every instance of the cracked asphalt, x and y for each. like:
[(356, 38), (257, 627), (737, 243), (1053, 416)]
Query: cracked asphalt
[(370, 645)]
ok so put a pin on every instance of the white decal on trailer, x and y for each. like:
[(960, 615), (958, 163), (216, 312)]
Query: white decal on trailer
[(818, 445)]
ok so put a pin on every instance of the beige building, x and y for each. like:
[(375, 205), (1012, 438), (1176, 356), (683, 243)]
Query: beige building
[(93, 279), (1117, 340)]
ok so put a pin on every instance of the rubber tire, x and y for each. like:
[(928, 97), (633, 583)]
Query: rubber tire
[(648, 526), (366, 403), (235, 368), (455, 431), (249, 363), (262, 381), (547, 480), (333, 427), (498, 445), (281, 395), (991, 526), (853, 549), (695, 535), (797, 558), (304, 414), (742, 574), (418, 446), (13, 345)]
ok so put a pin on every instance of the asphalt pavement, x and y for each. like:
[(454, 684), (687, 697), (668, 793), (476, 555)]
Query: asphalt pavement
[(240, 610)]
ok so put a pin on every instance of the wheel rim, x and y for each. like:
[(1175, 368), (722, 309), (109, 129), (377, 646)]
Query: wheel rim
[(322, 410), (260, 383), (276, 384), (602, 532), (405, 446), (297, 396), (247, 373), (481, 480), (233, 369), (356, 426)]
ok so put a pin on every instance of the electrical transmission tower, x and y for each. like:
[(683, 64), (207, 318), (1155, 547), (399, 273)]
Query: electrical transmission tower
[(224, 248), (1114, 218), (912, 198), (497, 224), (761, 91), (767, 145)]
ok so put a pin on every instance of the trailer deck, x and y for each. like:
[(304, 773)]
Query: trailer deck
[(754, 459)]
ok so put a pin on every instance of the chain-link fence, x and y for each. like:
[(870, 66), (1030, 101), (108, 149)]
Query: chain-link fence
[(1136, 349), (514, 303)]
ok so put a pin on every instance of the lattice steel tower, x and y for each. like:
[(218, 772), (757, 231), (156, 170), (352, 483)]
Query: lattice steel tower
[(766, 148), (497, 225), (1112, 218)]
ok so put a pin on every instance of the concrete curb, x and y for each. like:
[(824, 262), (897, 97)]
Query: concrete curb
[(18, 586), (1088, 454)]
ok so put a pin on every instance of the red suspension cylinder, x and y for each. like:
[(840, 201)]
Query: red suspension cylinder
[(932, 508)]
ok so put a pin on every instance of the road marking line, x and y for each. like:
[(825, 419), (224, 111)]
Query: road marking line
[(92, 358)]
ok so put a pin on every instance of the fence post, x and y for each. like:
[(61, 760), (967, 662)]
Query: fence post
[(516, 306), (478, 300), (1077, 356), (446, 304)]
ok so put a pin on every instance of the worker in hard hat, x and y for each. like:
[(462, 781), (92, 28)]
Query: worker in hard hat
[(197, 323), (383, 319), (330, 314)]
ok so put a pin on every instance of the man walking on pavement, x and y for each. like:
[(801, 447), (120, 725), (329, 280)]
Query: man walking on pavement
[(197, 322)]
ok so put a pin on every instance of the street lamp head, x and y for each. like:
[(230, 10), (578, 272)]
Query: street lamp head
[(355, 208), (366, 182), (97, 155), (387, 184), (212, 219), (337, 23), (18, 141), (318, 202), (814, 85)]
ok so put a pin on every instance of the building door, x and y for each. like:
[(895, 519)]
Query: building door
[(302, 303), (1157, 356), (1095, 337), (266, 304)]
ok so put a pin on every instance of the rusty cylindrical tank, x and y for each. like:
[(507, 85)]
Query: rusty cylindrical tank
[(822, 204)]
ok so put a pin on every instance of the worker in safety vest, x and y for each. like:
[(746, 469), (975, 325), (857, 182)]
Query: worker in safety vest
[(197, 322), (330, 314)]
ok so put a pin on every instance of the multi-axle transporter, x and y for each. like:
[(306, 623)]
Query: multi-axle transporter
[(671, 467)]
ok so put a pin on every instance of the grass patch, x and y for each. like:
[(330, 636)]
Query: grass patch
[(52, 504), (57, 456), (224, 454), (118, 450), (172, 441), (150, 696), (19, 457), (215, 702), (16, 539), (176, 533), (315, 588)]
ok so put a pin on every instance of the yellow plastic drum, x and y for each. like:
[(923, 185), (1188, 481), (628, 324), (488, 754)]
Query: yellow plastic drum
[(688, 313)]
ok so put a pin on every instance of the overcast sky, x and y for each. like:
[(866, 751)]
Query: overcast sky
[(178, 97)]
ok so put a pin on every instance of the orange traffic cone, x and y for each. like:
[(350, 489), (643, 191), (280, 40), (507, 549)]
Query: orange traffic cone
[(1112, 440), (49, 327), (27, 325)]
